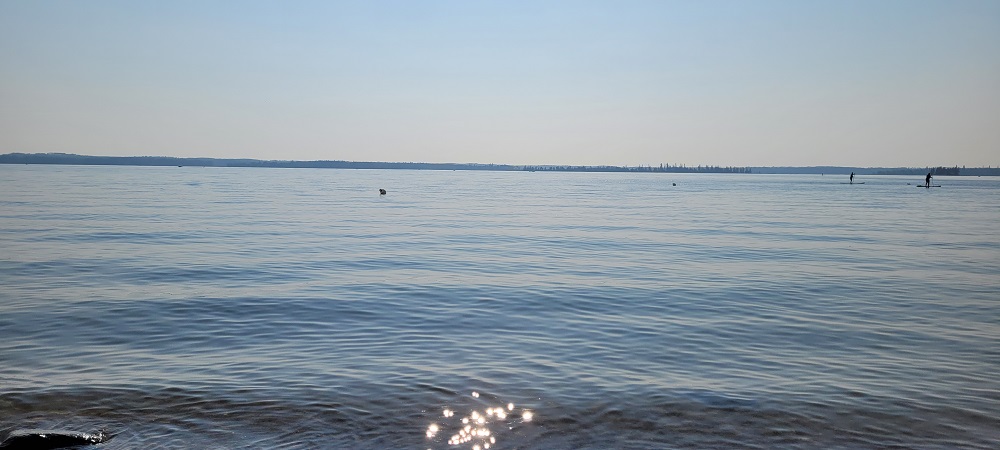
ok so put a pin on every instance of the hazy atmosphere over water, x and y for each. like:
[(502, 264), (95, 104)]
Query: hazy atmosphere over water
[(860, 83)]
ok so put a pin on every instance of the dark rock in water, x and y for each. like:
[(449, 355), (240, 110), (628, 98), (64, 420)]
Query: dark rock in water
[(381, 191), (51, 439)]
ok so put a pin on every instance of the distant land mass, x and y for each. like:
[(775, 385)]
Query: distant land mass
[(73, 159), (955, 170)]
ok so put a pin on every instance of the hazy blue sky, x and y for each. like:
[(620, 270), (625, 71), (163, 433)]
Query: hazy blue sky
[(744, 82)]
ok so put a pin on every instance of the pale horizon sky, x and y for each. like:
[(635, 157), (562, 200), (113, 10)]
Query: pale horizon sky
[(875, 83)]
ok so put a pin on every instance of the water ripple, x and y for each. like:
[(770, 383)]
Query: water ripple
[(200, 309)]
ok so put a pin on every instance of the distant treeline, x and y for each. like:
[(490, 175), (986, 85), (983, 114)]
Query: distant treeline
[(911, 171), (844, 170), (967, 171), (981, 171), (68, 158), (822, 170), (661, 168)]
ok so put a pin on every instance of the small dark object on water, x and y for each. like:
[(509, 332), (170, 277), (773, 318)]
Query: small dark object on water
[(381, 192), (675, 184), (51, 439)]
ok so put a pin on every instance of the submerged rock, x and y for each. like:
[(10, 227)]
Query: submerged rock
[(51, 439)]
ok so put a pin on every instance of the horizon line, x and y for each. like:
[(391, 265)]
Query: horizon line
[(640, 165)]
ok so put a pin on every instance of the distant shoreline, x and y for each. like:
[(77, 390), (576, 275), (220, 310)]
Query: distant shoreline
[(73, 159)]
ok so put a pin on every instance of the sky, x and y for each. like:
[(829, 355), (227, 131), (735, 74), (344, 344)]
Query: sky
[(872, 83)]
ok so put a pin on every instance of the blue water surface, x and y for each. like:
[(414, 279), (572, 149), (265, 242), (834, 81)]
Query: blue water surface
[(227, 308)]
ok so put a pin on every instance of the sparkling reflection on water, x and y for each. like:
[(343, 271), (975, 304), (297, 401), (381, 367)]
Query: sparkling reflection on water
[(478, 430)]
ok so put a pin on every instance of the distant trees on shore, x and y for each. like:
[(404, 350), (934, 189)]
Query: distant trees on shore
[(72, 159), (67, 158), (661, 168), (910, 171)]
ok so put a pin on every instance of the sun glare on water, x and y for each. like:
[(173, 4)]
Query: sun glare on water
[(477, 430)]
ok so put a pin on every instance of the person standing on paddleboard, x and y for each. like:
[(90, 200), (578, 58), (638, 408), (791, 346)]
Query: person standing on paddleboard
[(852, 177), (927, 181)]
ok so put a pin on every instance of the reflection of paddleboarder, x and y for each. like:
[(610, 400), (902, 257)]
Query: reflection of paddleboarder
[(852, 177), (927, 181)]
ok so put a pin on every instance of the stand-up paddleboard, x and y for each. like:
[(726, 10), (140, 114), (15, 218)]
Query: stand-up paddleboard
[(860, 182), (926, 186)]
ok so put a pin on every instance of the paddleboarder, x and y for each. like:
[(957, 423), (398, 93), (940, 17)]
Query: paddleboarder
[(852, 177), (927, 181)]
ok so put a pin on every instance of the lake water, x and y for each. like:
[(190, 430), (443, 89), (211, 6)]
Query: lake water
[(226, 308)]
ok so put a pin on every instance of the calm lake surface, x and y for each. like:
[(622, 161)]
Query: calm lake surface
[(228, 308)]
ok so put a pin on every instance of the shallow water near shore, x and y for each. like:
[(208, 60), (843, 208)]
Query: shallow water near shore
[(297, 308)]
